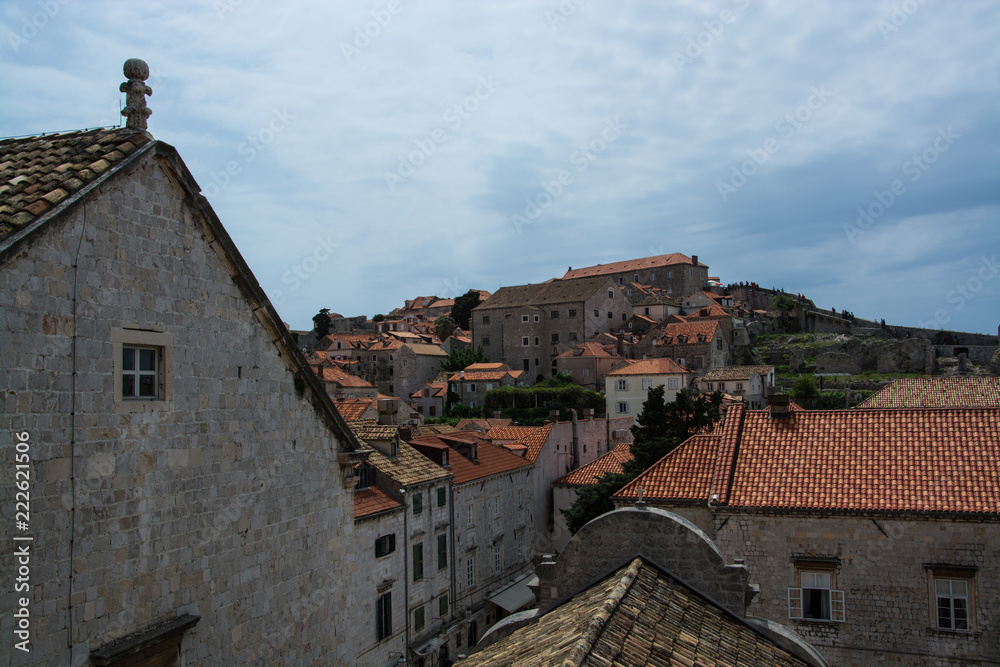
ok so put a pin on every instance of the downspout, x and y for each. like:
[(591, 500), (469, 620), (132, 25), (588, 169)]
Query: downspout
[(453, 549), (406, 579), (575, 462)]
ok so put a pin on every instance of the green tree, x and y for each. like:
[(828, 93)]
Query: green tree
[(461, 312), (783, 303), (561, 379), (460, 359), (804, 391), (444, 326), (321, 322), (660, 427), (378, 318), (595, 500)]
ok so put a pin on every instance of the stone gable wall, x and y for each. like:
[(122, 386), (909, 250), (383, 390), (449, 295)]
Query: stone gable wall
[(225, 502)]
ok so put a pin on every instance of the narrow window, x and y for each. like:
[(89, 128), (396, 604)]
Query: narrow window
[(383, 616), (442, 552), (418, 562)]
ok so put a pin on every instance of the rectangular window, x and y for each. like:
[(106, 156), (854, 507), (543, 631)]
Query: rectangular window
[(442, 551), (572, 312), (470, 571), (443, 606), (442, 496), (536, 340), (418, 562), (418, 503), (520, 498), (554, 315), (621, 385), (739, 386), (536, 318), (140, 377), (418, 618), (471, 388), (597, 313), (526, 365), (572, 335), (815, 597), (486, 319), (611, 315), (622, 407), (498, 557), (647, 383), (555, 337), (586, 372), (486, 340), (524, 341), (496, 507), (385, 545), (489, 386), (672, 383), (611, 294), (524, 318), (470, 515), (952, 598), (383, 616)]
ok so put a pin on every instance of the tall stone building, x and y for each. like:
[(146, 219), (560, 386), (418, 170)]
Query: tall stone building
[(528, 326), (188, 475), (678, 274)]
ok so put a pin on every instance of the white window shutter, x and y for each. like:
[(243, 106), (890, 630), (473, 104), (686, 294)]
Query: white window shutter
[(838, 608), (794, 603)]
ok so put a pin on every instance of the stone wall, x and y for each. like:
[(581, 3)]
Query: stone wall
[(224, 501)]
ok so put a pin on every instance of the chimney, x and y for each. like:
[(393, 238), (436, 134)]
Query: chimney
[(780, 406), (461, 375), (135, 89), (694, 259), (553, 416), (496, 414)]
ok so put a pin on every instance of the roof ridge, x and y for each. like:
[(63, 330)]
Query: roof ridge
[(725, 463), (600, 619)]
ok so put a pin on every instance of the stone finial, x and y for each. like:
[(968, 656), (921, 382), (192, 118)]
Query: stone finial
[(136, 71)]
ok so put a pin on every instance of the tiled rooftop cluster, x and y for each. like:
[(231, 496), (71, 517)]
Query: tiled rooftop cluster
[(937, 392)]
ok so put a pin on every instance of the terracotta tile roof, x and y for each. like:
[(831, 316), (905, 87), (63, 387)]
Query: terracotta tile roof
[(484, 376), (426, 349), (630, 265), (923, 460), (712, 310), (373, 500), (648, 367), (385, 344), (440, 389), (587, 350), (639, 615), (431, 429), (409, 467), (492, 459), (509, 433), (342, 378), (683, 474), (589, 474), (544, 294), (937, 392), (534, 442), (37, 174), (353, 408), (723, 373), (487, 367), (673, 332)]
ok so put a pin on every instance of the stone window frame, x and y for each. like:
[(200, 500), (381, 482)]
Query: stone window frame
[(385, 545), (524, 319), (952, 573), (383, 616), (525, 341), (419, 618), (834, 604), (135, 336), (622, 407)]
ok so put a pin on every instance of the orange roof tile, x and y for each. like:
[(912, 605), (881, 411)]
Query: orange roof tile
[(342, 378), (683, 474), (353, 408), (486, 367), (931, 392), (373, 500), (648, 367), (492, 459), (510, 433), (590, 473), (484, 376), (587, 350), (908, 460), (630, 265), (535, 441), (482, 425), (674, 330)]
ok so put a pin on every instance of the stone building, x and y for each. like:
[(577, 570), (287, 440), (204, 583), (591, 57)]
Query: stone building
[(189, 477), (677, 274), (749, 383), (627, 385), (588, 363), (637, 587), (697, 344), (491, 508), (398, 368), (431, 399), (528, 326), (470, 385), (872, 533)]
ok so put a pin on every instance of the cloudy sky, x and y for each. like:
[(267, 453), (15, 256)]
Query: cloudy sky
[(368, 152)]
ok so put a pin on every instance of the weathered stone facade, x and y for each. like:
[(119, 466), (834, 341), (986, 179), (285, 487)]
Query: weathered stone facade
[(528, 326), (883, 565), (223, 497), (678, 274)]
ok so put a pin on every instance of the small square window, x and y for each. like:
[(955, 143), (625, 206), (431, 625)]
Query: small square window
[(555, 337), (572, 312), (524, 341), (554, 315), (815, 598), (486, 319), (572, 335), (952, 598), (524, 318), (672, 383), (385, 545), (142, 366), (611, 315), (486, 340), (140, 378), (622, 407)]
